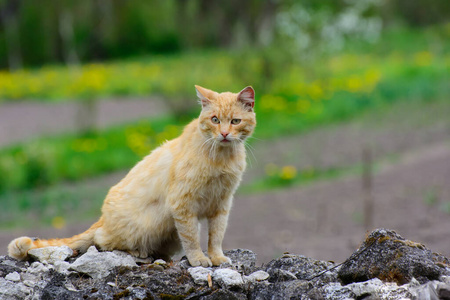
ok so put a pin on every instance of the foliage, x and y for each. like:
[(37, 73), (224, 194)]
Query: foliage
[(33, 33), (291, 99)]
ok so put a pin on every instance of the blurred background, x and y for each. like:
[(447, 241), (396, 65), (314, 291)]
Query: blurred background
[(352, 102)]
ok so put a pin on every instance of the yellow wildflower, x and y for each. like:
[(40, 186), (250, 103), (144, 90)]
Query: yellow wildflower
[(58, 222), (288, 173)]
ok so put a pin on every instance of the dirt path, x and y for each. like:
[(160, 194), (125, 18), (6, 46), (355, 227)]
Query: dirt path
[(324, 219), (27, 119)]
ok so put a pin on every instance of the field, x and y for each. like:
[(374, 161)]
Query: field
[(314, 120)]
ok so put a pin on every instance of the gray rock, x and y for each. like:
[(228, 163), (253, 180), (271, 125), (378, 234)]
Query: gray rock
[(38, 268), (242, 260), (100, 264), (138, 293), (390, 257), (62, 267), (295, 289), (300, 266), (51, 254), (256, 276), (335, 290), (240, 280), (278, 275), (14, 276), (13, 290), (224, 294), (200, 275), (30, 279), (376, 289), (443, 291), (228, 278), (425, 291)]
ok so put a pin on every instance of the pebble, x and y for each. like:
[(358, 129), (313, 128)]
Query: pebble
[(200, 275), (228, 278), (14, 276)]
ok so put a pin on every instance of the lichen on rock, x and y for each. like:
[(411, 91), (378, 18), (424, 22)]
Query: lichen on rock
[(367, 274)]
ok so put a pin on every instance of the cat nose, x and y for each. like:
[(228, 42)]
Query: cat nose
[(224, 134)]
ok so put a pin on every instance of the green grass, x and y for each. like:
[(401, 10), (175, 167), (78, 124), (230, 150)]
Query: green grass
[(291, 99), (50, 160), (304, 177)]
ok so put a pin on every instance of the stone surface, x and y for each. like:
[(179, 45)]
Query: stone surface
[(242, 260), (389, 257), (62, 267), (14, 276), (51, 254), (298, 265), (256, 276), (200, 275), (100, 264), (115, 275), (228, 278), (13, 290)]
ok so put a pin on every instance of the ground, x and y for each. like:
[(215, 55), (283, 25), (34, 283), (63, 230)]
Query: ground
[(322, 219)]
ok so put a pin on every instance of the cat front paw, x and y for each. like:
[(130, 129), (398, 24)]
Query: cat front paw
[(218, 260), (200, 261)]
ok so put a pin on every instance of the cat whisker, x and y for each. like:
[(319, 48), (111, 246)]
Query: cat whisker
[(250, 149), (252, 137), (205, 143)]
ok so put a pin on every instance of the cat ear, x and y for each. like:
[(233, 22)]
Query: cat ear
[(247, 97), (201, 92)]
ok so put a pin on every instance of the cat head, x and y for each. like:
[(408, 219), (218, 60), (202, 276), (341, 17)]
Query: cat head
[(227, 118)]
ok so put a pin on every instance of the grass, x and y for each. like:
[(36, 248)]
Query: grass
[(293, 106), (79, 201), (292, 99)]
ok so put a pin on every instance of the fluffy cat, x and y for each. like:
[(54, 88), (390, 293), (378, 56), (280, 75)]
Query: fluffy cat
[(155, 209)]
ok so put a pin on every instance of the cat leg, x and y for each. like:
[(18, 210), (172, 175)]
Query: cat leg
[(217, 224), (187, 227)]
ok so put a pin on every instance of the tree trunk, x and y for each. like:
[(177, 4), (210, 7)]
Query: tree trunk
[(10, 20)]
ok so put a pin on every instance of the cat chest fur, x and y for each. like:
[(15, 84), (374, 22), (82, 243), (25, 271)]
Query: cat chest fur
[(204, 186)]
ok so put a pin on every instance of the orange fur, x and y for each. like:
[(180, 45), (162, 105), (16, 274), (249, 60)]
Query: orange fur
[(155, 209)]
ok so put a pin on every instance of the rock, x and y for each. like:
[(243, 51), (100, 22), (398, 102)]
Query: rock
[(51, 254), (242, 260), (282, 290), (227, 278), (278, 275), (389, 257), (335, 290), (282, 269), (161, 262), (56, 289), (375, 288), (114, 275), (62, 267), (100, 264), (38, 268), (13, 290), (224, 294), (14, 276), (425, 291), (200, 275), (256, 276), (443, 291)]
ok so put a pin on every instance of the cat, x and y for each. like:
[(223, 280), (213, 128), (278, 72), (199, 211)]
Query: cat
[(155, 209)]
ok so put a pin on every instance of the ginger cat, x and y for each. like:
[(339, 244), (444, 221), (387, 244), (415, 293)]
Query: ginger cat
[(155, 209)]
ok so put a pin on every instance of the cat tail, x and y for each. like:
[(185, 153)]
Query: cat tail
[(19, 247)]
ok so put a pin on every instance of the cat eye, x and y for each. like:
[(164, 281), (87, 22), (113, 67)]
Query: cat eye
[(215, 120), (235, 121)]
